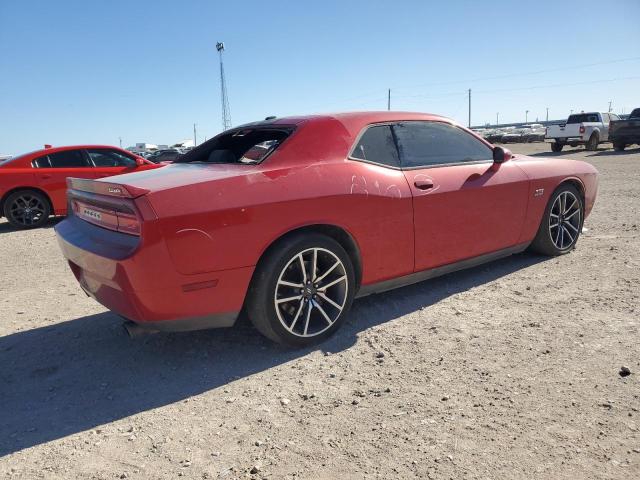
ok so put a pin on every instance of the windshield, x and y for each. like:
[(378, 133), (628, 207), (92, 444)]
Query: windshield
[(583, 118), (635, 113), (243, 146)]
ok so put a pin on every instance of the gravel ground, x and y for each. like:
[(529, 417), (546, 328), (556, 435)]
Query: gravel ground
[(510, 370)]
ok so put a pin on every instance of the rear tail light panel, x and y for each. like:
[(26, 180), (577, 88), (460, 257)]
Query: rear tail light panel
[(582, 129), (112, 214)]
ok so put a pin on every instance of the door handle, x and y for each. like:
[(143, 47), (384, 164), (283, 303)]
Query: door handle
[(423, 184)]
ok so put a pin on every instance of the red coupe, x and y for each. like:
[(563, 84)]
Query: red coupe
[(33, 186), (291, 219)]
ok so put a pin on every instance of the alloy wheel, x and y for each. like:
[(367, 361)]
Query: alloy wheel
[(565, 220), (311, 292), (27, 210)]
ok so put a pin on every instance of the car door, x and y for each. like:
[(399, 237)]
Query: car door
[(108, 162), (464, 204), (52, 170)]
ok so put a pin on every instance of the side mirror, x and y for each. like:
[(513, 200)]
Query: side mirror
[(501, 154), (140, 162)]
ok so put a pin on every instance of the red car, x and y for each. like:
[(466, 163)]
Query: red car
[(291, 219), (33, 186)]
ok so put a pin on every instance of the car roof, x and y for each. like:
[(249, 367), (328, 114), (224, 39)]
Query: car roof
[(353, 121)]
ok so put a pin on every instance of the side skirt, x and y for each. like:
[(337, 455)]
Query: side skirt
[(438, 271)]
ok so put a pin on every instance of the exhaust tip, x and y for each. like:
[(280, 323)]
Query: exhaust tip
[(134, 330)]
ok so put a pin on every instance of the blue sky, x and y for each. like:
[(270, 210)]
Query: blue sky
[(94, 71)]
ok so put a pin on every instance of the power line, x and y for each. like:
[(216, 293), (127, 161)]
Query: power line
[(520, 74)]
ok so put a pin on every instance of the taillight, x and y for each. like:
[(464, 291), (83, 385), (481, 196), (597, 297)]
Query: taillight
[(111, 219), (128, 223), (582, 129)]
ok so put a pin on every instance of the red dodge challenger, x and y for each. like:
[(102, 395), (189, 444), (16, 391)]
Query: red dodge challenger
[(33, 186), (293, 218)]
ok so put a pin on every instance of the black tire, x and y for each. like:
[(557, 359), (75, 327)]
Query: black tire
[(284, 260), (544, 242), (27, 209), (592, 143), (556, 147), (619, 147)]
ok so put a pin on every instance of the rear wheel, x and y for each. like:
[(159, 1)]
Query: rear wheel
[(619, 147), (27, 209), (561, 223), (556, 147), (301, 292), (592, 143)]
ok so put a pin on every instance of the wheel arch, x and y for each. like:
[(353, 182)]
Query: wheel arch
[(576, 182), (24, 188), (337, 233)]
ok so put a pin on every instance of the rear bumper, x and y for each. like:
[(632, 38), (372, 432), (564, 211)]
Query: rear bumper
[(565, 139), (139, 281)]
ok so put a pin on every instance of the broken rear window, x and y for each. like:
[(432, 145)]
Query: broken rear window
[(243, 146)]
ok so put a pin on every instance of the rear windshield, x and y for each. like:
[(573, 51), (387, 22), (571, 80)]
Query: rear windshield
[(244, 146), (583, 118), (635, 113)]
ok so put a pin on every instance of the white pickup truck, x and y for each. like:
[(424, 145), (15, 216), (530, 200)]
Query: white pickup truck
[(588, 129)]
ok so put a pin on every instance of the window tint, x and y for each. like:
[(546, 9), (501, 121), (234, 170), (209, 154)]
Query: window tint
[(635, 113), (67, 159), (434, 143), (110, 158), (377, 145), (583, 118)]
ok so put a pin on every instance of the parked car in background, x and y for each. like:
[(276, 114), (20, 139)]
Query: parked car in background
[(165, 156), (290, 219), (623, 133), (588, 129), (33, 186)]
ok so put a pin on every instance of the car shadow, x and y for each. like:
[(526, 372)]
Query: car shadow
[(73, 376), (563, 153), (614, 153), (6, 227)]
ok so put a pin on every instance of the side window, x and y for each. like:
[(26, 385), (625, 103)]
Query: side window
[(377, 145), (614, 117), (42, 162), (423, 144), (110, 158), (67, 159)]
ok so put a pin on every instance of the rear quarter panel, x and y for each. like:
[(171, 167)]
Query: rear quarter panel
[(228, 223), (15, 178)]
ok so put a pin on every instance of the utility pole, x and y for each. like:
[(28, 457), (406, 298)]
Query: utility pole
[(526, 116), (497, 118), (120, 140), (547, 114), (469, 108), (389, 100), (610, 106), (195, 139), (226, 111)]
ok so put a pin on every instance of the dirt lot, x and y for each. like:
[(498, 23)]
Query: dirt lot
[(509, 370)]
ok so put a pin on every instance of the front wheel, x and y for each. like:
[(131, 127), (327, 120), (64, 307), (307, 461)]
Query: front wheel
[(301, 292), (27, 209), (561, 223), (619, 147)]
